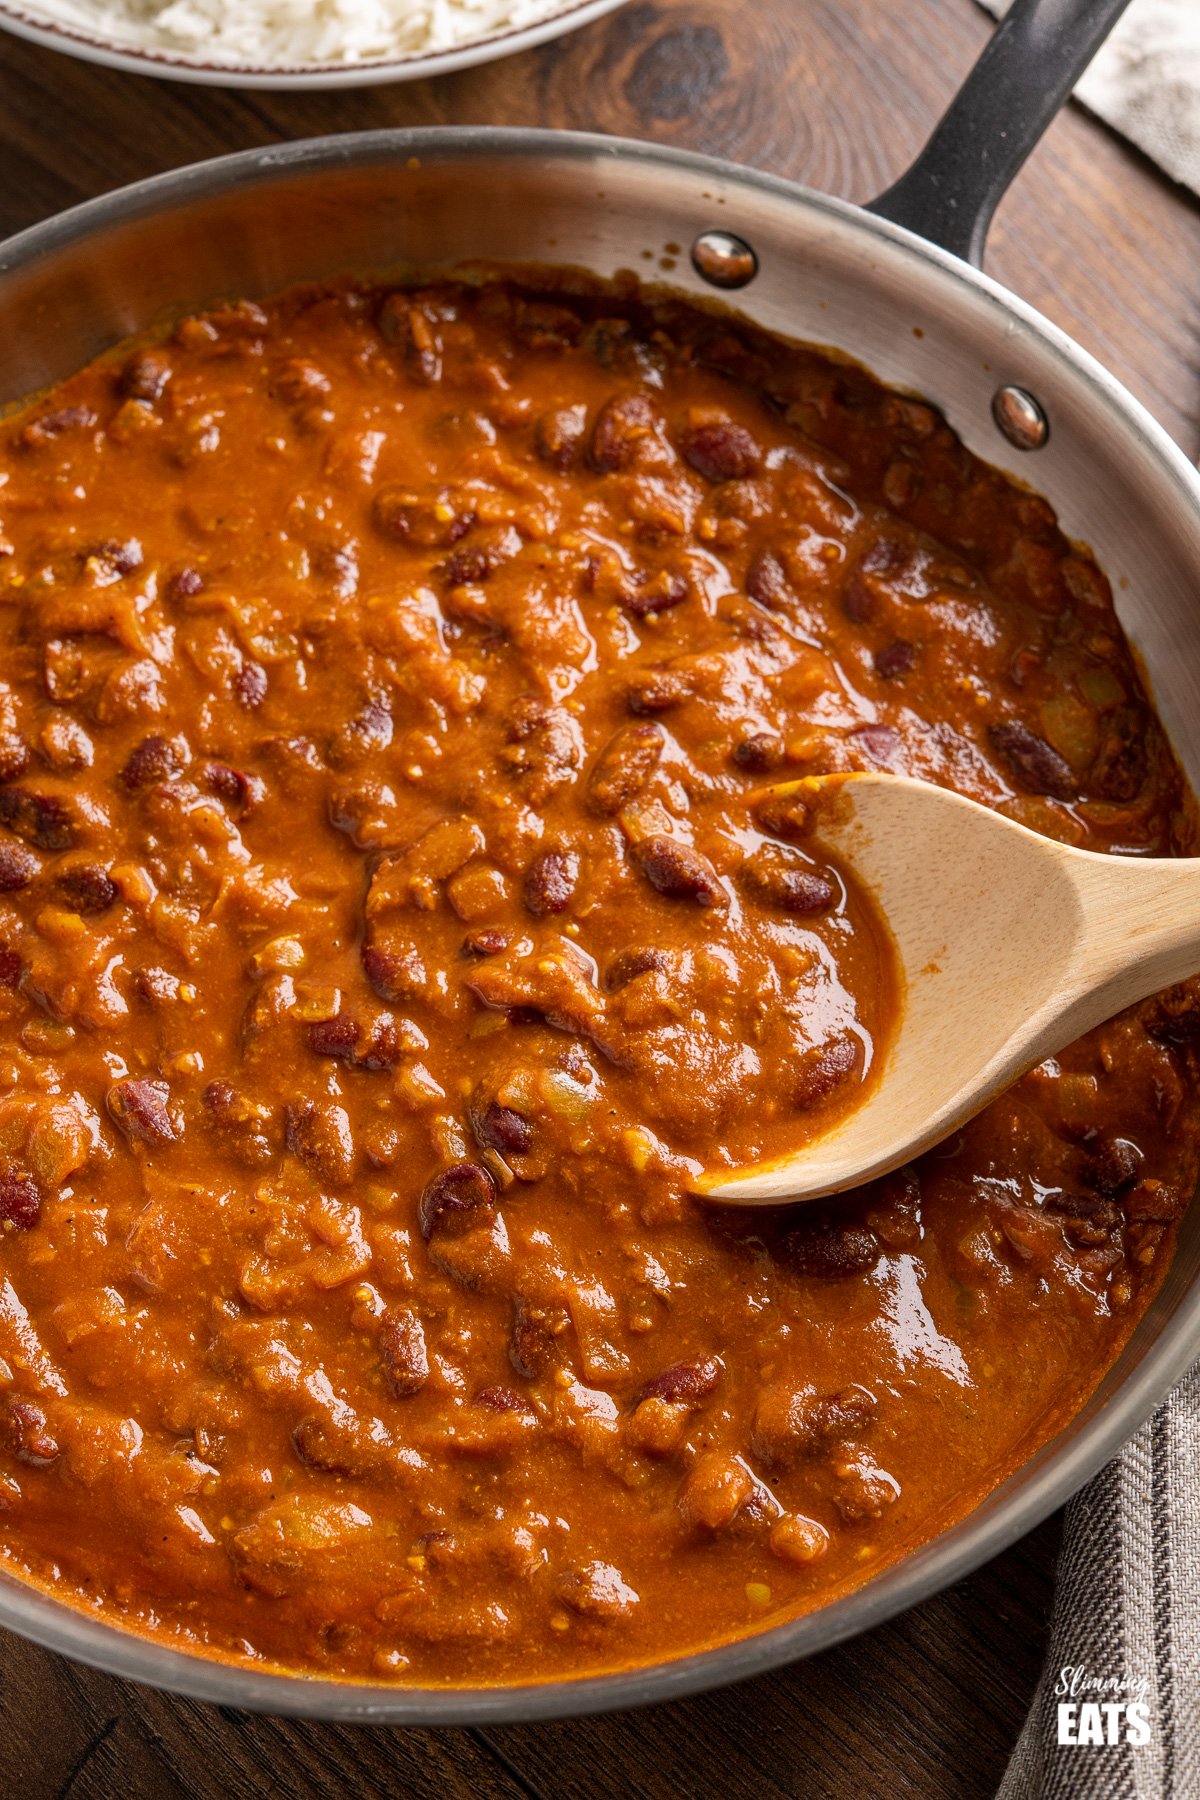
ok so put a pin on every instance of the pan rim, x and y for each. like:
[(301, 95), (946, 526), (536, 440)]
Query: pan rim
[(1033, 1490)]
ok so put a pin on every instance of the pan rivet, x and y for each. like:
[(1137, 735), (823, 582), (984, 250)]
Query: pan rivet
[(723, 260), (1020, 418)]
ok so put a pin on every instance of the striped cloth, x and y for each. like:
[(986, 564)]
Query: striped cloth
[(1126, 1624)]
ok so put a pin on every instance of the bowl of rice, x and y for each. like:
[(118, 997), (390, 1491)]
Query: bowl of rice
[(294, 43)]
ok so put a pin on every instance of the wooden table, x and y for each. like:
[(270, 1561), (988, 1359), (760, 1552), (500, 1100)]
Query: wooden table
[(836, 93)]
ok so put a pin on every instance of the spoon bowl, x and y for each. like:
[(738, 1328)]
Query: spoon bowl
[(1008, 946)]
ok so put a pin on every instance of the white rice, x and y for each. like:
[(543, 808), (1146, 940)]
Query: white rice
[(271, 33)]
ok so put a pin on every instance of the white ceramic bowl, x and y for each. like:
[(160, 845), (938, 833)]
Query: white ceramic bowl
[(113, 53)]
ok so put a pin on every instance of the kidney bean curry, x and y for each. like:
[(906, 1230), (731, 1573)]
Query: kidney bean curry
[(398, 912)]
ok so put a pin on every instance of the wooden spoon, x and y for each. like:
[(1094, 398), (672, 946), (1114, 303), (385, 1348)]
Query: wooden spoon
[(1009, 946)]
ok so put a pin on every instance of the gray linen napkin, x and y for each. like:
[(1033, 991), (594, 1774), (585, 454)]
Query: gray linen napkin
[(1126, 1626), (1145, 82)]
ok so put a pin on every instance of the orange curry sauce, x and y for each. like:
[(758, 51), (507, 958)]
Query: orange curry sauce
[(392, 924)]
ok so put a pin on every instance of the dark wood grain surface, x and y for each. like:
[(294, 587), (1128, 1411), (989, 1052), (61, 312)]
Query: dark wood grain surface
[(836, 93)]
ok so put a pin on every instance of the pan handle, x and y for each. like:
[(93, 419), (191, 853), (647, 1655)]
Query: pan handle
[(1029, 66)]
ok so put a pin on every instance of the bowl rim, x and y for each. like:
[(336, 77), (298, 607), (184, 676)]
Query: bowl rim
[(1035, 1487), (72, 39)]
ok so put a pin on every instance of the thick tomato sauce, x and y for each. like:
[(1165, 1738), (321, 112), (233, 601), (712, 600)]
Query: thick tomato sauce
[(397, 914)]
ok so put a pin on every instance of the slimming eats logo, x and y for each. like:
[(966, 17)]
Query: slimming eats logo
[(1101, 1709)]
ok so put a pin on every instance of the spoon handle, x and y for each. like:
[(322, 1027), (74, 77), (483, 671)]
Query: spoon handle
[(1141, 921)]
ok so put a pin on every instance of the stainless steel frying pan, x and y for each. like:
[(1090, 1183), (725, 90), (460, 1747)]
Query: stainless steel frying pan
[(864, 281)]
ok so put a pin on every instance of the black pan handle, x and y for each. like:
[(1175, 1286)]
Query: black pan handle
[(1032, 61)]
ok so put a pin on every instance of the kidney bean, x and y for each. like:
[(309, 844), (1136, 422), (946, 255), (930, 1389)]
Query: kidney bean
[(858, 599), (397, 973), (403, 1352), (66, 746), (558, 436), (773, 877), (758, 753), (689, 1382), (542, 746), (885, 556), (488, 551), (337, 1037), (882, 746), (86, 890), (455, 1199), (1176, 1019), (299, 382), (720, 450), (319, 1444), (17, 868), (656, 593), (429, 521), (15, 756), (320, 1135), (767, 582), (11, 968), (244, 1127), (250, 685), (470, 564), (657, 691), (1121, 766), (1087, 1219), (154, 760), (794, 1421), (622, 425), (224, 1102), (596, 1590), (628, 964), (895, 659), (823, 1069), (501, 1128), (675, 869), (845, 1414), (114, 558), (145, 376), (371, 728), (864, 1490), (141, 1109), (44, 822), (239, 791), (53, 425), (550, 882), (26, 1430), (489, 942), (1113, 1167), (413, 332), (185, 584), (828, 1252), (1037, 767), (498, 1398), (624, 766), (157, 987), (20, 1201)]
